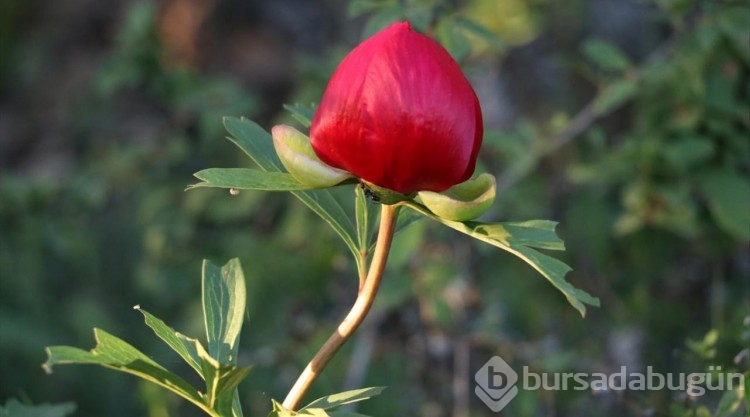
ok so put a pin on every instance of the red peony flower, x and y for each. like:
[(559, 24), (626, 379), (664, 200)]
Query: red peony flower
[(399, 113)]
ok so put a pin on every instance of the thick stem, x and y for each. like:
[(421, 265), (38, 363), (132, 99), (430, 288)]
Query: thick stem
[(357, 313)]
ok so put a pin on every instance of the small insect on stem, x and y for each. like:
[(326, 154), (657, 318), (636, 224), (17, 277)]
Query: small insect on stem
[(369, 193), (234, 191)]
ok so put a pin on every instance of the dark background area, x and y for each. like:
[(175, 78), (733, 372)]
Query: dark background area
[(626, 121)]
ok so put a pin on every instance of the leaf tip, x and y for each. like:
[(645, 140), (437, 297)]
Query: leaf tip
[(47, 366), (194, 186)]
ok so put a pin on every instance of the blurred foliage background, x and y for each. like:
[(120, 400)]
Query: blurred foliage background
[(625, 120)]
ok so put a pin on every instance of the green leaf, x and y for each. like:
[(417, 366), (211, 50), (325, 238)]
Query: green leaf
[(337, 400), (248, 179), (224, 296), (230, 377), (236, 406), (325, 206), (388, 14), (538, 234), (605, 55), (254, 141), (613, 95), (520, 239), (258, 145), (14, 408), (301, 113), (731, 401), (358, 7), (472, 27), (186, 347), (221, 385), (223, 309), (114, 353), (688, 151), (706, 347), (365, 221), (278, 410), (728, 196), (453, 39), (325, 406), (221, 379)]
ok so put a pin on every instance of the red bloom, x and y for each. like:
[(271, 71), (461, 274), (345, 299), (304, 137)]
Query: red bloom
[(399, 113)]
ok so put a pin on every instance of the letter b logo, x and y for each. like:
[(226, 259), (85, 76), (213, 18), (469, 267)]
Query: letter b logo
[(496, 382)]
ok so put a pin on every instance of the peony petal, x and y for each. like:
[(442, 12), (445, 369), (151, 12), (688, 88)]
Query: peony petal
[(399, 113)]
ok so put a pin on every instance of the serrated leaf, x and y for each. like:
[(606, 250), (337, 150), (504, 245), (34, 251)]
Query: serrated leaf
[(533, 233), (185, 346), (14, 408), (248, 179), (220, 379), (337, 400), (520, 239), (114, 353), (258, 145), (224, 309)]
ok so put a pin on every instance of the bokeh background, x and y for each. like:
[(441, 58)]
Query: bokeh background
[(625, 120)]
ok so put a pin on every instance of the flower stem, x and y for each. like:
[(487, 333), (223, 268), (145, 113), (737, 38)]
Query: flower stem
[(357, 313)]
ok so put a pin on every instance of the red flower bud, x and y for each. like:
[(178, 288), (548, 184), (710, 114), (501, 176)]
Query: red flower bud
[(399, 113)]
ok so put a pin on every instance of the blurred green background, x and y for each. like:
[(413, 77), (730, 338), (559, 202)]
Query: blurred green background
[(625, 120)]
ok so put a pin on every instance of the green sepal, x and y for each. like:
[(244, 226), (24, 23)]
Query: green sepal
[(462, 202), (383, 195), (298, 157)]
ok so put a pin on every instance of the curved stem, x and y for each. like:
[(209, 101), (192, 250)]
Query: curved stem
[(357, 313)]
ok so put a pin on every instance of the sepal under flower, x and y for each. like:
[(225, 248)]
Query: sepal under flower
[(297, 155), (462, 202)]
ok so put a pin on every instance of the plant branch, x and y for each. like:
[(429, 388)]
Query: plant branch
[(589, 114), (357, 313)]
